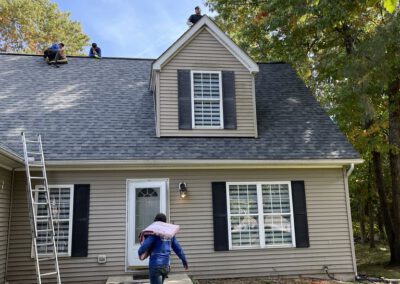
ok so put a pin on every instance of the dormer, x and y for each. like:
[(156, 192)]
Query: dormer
[(204, 86)]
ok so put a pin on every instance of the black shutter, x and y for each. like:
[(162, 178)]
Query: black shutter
[(300, 214), (229, 99), (220, 215), (80, 227), (184, 99)]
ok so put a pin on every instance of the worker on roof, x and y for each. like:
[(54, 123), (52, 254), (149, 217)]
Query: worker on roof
[(95, 51), (195, 17), (55, 52)]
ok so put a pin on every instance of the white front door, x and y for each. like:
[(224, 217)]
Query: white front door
[(146, 198)]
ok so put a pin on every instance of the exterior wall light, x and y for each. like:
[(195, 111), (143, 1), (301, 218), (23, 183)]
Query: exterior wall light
[(183, 189)]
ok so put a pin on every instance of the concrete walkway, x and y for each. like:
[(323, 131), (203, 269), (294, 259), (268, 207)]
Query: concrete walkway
[(172, 279)]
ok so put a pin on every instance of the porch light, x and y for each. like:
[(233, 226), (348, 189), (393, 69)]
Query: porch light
[(182, 189)]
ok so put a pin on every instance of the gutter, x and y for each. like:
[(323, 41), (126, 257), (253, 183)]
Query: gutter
[(11, 154), (195, 164)]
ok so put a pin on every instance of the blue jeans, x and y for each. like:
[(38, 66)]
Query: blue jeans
[(158, 274)]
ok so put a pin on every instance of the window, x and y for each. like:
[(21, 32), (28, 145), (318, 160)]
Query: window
[(207, 99), (260, 215), (61, 199)]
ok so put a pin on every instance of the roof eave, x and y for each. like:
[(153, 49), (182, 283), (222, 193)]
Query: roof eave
[(197, 164)]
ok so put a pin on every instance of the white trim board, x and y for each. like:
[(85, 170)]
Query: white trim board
[(74, 165)]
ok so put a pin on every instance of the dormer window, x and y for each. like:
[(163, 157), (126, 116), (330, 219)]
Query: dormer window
[(207, 106)]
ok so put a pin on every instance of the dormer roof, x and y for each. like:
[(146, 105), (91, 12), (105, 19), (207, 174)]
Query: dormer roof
[(210, 26)]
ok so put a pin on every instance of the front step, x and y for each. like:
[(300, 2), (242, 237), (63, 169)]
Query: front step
[(125, 280), (174, 278)]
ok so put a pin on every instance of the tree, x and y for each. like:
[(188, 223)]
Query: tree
[(29, 26), (347, 52)]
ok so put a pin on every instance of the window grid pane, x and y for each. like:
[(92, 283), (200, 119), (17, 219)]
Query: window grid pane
[(60, 205), (277, 216), (265, 203), (244, 215), (206, 96)]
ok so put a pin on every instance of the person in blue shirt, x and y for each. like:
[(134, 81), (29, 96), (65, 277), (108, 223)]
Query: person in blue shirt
[(54, 52), (95, 51), (160, 250)]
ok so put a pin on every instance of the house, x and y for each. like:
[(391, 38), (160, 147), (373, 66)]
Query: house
[(265, 168)]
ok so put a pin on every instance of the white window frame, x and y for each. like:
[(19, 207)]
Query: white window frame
[(261, 214), (71, 213), (221, 108)]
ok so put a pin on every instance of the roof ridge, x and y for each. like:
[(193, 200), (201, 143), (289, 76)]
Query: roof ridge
[(75, 56)]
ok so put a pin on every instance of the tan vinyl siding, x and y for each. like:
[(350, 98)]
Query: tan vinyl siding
[(327, 217), (206, 53), (5, 178)]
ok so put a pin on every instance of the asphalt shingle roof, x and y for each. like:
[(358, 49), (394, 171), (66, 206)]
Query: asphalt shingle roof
[(103, 110)]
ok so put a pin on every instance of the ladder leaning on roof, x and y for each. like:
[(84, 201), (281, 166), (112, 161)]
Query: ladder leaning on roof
[(40, 212)]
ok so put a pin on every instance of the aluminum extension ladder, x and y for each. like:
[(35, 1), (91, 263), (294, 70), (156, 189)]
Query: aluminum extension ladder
[(40, 211)]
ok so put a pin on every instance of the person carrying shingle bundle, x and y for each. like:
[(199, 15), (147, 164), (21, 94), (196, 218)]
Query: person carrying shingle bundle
[(157, 241), (95, 51), (55, 53), (194, 18)]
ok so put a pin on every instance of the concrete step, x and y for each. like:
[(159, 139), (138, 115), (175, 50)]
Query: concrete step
[(174, 278)]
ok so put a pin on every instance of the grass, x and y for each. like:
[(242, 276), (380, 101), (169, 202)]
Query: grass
[(256, 280), (370, 262), (374, 262)]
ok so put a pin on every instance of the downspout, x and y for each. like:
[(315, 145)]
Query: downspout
[(350, 171), (9, 223), (346, 175)]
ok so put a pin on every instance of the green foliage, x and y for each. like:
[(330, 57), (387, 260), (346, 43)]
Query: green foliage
[(28, 26), (390, 5), (347, 52)]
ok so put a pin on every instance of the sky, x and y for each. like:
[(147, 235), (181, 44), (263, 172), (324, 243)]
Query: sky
[(132, 28)]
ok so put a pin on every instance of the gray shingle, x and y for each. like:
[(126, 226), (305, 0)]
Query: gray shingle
[(103, 109)]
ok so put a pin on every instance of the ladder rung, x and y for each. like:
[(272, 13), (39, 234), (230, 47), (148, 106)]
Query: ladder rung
[(48, 274), (43, 217), (40, 203), (37, 177), (36, 165), (44, 244), (39, 190), (31, 141), (34, 153), (46, 259), (46, 230)]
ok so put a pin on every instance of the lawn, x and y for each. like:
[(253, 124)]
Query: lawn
[(374, 262), (370, 262), (265, 281)]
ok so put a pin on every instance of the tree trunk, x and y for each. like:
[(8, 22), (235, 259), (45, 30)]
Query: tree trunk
[(383, 199), (381, 229), (363, 233), (371, 208), (394, 158), (371, 219)]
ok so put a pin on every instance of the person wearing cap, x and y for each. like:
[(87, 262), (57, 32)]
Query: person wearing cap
[(160, 250), (195, 17), (95, 51)]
